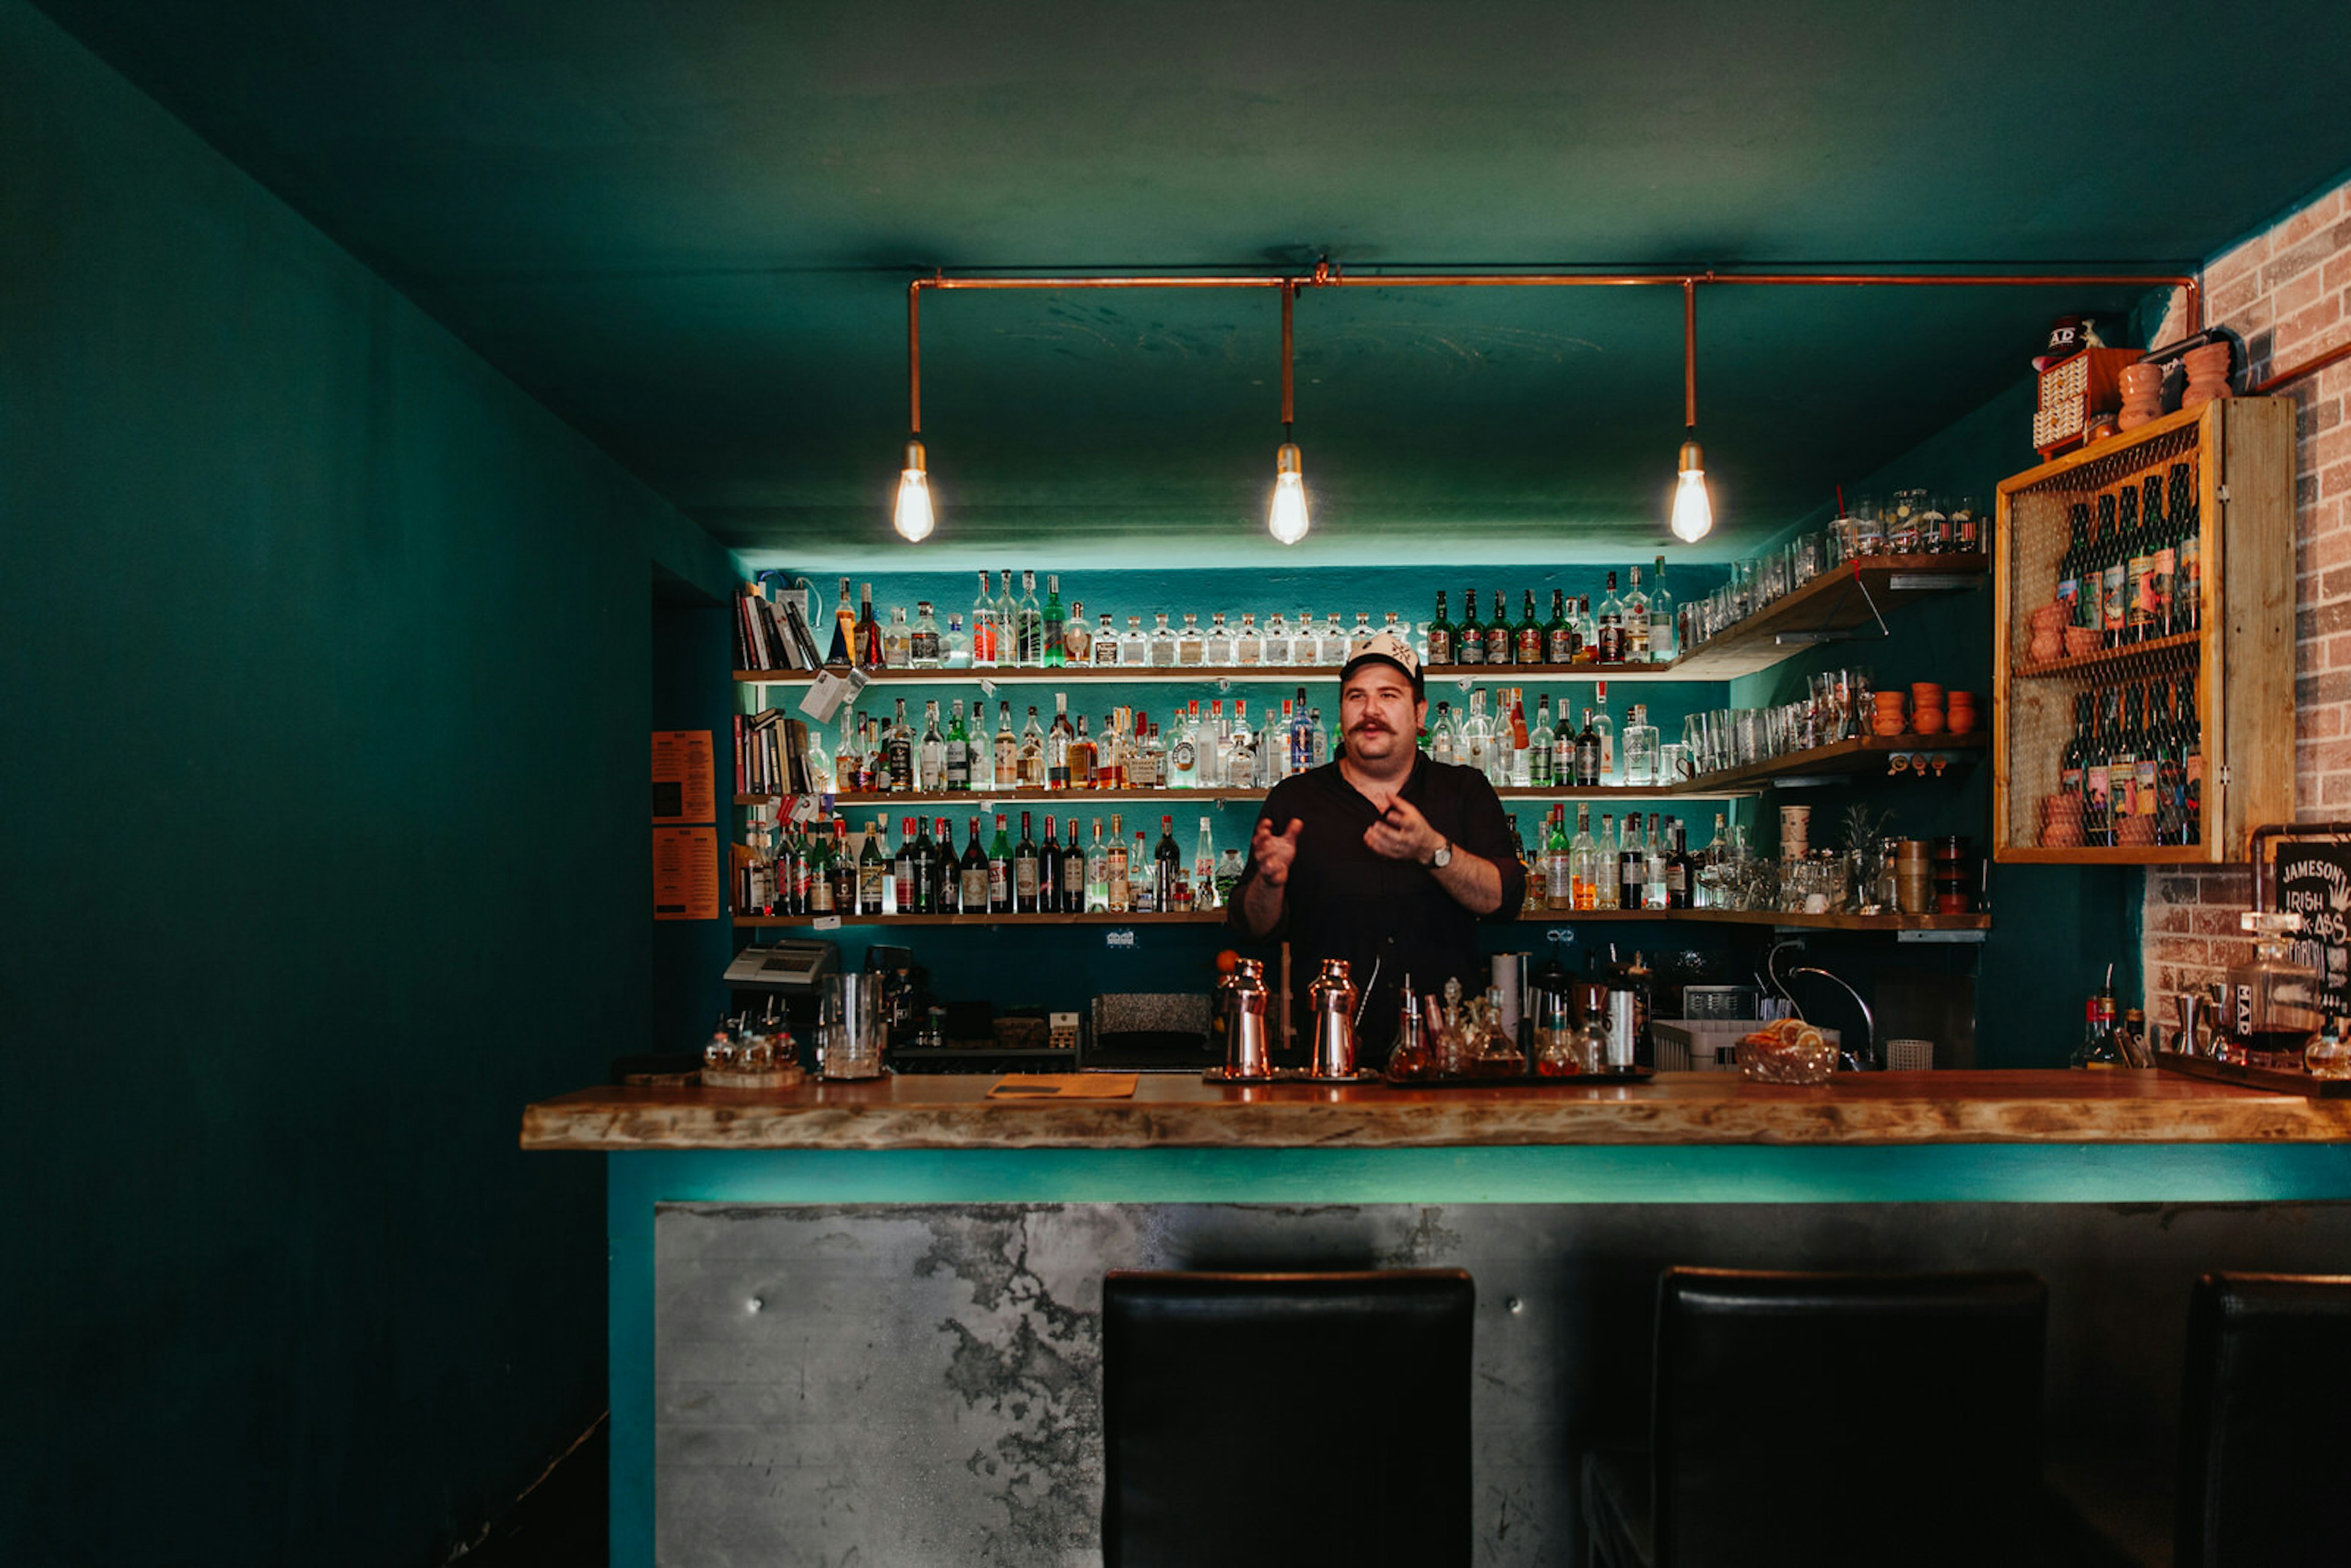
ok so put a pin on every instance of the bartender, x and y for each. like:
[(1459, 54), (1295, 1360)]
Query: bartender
[(1381, 857)]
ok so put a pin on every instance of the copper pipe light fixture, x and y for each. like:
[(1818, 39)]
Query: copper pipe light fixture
[(1693, 513), (1285, 519), (912, 516)]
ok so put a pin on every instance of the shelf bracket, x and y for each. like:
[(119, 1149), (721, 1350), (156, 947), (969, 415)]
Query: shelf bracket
[(1931, 581), (1940, 935)]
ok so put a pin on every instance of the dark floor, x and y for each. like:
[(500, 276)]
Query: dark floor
[(559, 1522)]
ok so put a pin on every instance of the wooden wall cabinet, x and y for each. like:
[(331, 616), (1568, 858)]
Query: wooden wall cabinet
[(2242, 657)]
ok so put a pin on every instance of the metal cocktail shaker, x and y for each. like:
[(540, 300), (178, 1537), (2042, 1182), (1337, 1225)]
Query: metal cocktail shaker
[(1333, 998), (1247, 1045)]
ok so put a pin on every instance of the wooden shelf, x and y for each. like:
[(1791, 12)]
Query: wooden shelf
[(1253, 675), (1079, 798), (1867, 754), (2114, 661), (1532, 916), (2091, 854), (1839, 599)]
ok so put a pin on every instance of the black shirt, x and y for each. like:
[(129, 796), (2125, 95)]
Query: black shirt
[(1342, 901)]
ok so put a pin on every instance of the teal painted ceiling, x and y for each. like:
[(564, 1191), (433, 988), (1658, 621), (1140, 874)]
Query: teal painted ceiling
[(686, 228)]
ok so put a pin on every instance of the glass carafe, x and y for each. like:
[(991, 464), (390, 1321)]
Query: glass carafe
[(2272, 1001)]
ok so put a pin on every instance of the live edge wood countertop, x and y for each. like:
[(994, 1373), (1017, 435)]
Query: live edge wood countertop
[(1182, 1112)]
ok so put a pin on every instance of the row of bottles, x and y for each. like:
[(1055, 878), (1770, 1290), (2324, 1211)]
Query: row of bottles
[(1627, 867), (1021, 631), (1515, 752), (2137, 752), (2133, 570), (817, 873), (1206, 750), (1637, 629)]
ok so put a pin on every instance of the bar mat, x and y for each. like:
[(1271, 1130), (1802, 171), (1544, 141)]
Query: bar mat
[(1063, 1086)]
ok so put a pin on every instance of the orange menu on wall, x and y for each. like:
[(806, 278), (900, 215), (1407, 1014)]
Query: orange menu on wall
[(683, 787), (686, 874)]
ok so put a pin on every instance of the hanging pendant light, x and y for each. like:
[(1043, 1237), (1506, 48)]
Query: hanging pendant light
[(912, 516), (1285, 519), (1693, 517)]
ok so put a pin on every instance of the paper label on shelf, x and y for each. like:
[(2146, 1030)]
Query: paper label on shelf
[(803, 808), (683, 787), (686, 874), (1119, 939), (825, 922), (829, 691)]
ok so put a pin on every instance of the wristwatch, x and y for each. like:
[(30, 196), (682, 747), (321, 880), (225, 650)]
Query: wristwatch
[(1443, 857)]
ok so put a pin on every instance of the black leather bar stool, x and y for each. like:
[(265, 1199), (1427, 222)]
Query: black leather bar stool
[(2265, 1423), (1247, 1418), (1832, 1420)]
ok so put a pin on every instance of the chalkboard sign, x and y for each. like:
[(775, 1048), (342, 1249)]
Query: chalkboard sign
[(2314, 880)]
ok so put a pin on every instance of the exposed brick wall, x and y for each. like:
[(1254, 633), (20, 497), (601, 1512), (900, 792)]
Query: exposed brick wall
[(2287, 292)]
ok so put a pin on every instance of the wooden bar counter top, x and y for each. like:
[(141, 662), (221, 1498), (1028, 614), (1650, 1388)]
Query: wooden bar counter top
[(954, 1112)]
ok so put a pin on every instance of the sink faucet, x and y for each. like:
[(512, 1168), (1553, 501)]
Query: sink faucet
[(1848, 1059)]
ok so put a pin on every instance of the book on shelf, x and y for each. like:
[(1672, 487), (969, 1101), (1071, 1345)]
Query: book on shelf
[(771, 755), (772, 634)]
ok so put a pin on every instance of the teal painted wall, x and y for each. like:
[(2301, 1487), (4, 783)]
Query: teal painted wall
[(328, 660)]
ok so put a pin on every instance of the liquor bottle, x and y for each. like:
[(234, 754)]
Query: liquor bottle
[(1082, 760), (2071, 761), (1217, 643), (1360, 635), (931, 759), (1559, 636), (2122, 765), (897, 639), (1049, 872), (1717, 853), (844, 756), (946, 875), (955, 644), (873, 870), (2069, 565), (2162, 555), (1606, 729), (1241, 755), (955, 753), (1653, 866), (1542, 743), (1029, 766), (1559, 856), (869, 629), (1533, 644), (924, 651), (1611, 625), (1107, 650), (1302, 737), (2191, 766), (2147, 798), (2140, 623), (1112, 763), (1275, 745), (1006, 750), (1640, 749), (1142, 878), (924, 891), (1097, 873), (1636, 623), (1119, 891), (1586, 774), (901, 871), (845, 874), (1664, 637), (1437, 638), (1513, 739), (900, 751), (1135, 644), (999, 870), (1502, 642), (1204, 870), (1025, 869), (971, 892), (1077, 636), (1680, 875), (1191, 642), (1167, 866), (817, 895), (983, 628), (2186, 512), (2115, 569), (1469, 637), (872, 762), (1587, 631), (1073, 873), (1248, 643), (1632, 864), (1277, 650), (2097, 780), (1183, 748), (1331, 646), (1476, 740), (1050, 650), (1028, 625), (1442, 740), (1603, 864), (844, 652), (1057, 744)]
